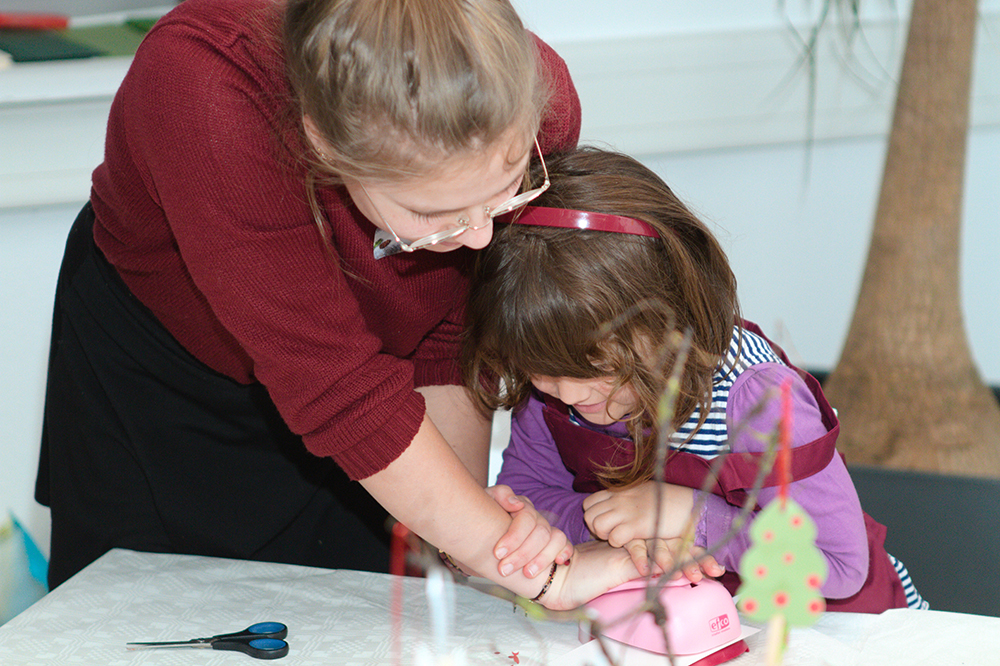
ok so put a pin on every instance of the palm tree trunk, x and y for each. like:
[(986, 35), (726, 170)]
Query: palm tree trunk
[(906, 387)]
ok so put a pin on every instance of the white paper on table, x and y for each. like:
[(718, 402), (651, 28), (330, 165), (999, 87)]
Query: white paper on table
[(807, 646), (341, 618), (919, 637), (590, 654), (900, 636), (334, 618)]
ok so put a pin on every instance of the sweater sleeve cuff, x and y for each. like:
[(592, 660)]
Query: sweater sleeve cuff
[(436, 373), (377, 452)]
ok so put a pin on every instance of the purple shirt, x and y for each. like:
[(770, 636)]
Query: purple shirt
[(533, 468)]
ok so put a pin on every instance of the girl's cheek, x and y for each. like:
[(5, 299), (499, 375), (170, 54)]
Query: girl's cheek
[(626, 397), (543, 386)]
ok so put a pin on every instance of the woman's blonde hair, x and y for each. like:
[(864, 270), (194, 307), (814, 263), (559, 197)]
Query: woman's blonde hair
[(394, 86), (555, 302)]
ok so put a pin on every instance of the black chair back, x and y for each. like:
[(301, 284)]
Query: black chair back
[(945, 529)]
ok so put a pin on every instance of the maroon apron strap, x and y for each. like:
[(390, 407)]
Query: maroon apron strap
[(739, 470), (584, 451)]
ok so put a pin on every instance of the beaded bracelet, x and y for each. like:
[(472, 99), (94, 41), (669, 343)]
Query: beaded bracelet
[(450, 563), (548, 583)]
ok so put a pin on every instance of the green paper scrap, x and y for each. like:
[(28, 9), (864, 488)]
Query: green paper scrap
[(141, 25), (38, 45), (111, 40), (782, 571)]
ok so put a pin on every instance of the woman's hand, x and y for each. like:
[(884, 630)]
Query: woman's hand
[(666, 556), (530, 542), (620, 516), (595, 568)]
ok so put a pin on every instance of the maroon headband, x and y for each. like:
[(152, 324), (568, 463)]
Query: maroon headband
[(580, 219)]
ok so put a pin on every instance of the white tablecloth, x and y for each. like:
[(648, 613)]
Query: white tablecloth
[(346, 618)]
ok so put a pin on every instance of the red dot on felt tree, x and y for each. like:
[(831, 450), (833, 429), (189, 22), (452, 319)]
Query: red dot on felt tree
[(750, 605), (769, 535), (789, 558), (781, 599), (760, 571), (816, 606), (796, 521), (813, 581)]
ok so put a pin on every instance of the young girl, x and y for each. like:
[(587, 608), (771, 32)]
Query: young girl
[(572, 307), (240, 367)]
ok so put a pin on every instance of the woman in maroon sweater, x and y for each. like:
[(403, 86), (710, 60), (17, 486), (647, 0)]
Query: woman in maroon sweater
[(234, 346)]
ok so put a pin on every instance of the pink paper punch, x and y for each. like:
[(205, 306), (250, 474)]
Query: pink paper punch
[(701, 618)]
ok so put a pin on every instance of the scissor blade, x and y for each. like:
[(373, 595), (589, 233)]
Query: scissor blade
[(196, 643)]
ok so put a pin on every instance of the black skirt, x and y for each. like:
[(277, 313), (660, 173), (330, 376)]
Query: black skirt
[(144, 447)]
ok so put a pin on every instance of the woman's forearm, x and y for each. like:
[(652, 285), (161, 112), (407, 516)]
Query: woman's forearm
[(429, 490), (466, 429)]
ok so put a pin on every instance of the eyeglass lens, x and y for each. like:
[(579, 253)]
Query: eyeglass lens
[(511, 204)]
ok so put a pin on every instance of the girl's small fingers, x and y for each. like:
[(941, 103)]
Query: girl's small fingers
[(694, 574), (692, 570), (619, 535), (590, 519), (640, 555), (711, 567), (708, 564), (566, 554), (596, 499), (593, 498), (662, 555)]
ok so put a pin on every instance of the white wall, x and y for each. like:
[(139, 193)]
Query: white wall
[(31, 242), (693, 88)]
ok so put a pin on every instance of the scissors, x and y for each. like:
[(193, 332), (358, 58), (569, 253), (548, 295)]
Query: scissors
[(263, 640)]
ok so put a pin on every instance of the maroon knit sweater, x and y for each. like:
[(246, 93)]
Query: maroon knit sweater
[(201, 206)]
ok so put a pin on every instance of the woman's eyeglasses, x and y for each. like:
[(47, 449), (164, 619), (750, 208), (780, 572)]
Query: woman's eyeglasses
[(464, 225)]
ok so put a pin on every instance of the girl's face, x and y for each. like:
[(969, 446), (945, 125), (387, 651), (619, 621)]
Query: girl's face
[(594, 399), (464, 188)]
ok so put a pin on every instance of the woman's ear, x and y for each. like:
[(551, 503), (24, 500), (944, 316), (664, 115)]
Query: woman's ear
[(314, 136)]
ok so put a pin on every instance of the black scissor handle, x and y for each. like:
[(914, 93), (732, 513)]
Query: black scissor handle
[(258, 648), (254, 631)]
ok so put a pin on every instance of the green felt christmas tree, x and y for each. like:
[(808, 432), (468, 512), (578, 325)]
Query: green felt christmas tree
[(783, 570)]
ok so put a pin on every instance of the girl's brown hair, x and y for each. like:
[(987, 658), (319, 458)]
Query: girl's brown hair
[(569, 303)]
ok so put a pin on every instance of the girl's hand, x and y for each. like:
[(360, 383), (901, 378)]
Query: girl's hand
[(620, 516), (595, 568), (666, 557), (530, 541)]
